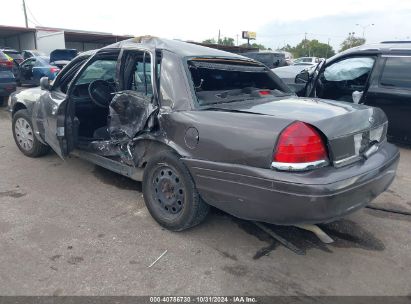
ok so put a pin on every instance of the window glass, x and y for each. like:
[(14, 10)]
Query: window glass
[(3, 56), (397, 72), (14, 55), (349, 69), (141, 81), (42, 61), (29, 62), (104, 69)]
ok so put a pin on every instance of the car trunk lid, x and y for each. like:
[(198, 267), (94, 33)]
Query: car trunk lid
[(350, 129)]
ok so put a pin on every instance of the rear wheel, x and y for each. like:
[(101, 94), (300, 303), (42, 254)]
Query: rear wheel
[(24, 136), (170, 193)]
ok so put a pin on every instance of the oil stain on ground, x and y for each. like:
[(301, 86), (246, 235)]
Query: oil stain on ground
[(345, 233), (111, 178)]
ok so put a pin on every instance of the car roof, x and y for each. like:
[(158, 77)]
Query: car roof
[(9, 50), (180, 48), (385, 47)]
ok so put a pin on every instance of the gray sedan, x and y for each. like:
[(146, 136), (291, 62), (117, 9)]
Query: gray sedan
[(203, 127)]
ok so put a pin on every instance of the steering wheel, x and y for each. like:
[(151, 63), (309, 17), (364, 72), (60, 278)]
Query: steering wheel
[(100, 92)]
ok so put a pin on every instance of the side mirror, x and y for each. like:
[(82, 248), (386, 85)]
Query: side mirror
[(44, 83), (302, 77)]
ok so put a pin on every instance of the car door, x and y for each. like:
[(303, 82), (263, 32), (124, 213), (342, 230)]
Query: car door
[(50, 117), (137, 83), (390, 90), (346, 79), (26, 70)]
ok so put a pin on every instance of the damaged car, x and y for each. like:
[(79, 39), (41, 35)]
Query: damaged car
[(202, 127), (376, 75)]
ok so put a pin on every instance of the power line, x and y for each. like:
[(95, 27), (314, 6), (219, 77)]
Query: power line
[(32, 15)]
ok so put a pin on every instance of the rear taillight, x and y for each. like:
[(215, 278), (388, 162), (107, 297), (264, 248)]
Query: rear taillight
[(6, 63), (264, 92), (299, 147), (54, 70)]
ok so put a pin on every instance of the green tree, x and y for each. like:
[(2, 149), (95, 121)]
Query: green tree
[(224, 41), (351, 41), (312, 48), (255, 45), (210, 41)]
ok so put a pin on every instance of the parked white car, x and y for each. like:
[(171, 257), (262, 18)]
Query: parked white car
[(306, 60)]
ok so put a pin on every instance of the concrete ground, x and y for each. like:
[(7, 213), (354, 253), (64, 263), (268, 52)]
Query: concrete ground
[(71, 228)]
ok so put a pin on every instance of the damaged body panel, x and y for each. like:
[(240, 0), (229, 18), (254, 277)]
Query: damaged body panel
[(200, 126)]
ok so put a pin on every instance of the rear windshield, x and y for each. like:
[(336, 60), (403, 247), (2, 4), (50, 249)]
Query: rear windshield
[(14, 54), (65, 55), (225, 81), (3, 56)]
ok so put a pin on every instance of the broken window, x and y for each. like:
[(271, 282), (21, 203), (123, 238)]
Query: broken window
[(138, 72), (223, 81), (130, 109)]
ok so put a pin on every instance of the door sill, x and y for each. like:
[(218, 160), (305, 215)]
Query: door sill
[(112, 165)]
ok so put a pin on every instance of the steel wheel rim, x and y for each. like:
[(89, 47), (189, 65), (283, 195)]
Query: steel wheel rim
[(168, 191), (24, 134)]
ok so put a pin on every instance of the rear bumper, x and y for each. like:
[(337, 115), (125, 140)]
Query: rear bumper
[(285, 198), (7, 88)]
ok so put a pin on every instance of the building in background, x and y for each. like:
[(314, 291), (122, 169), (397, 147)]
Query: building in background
[(47, 39)]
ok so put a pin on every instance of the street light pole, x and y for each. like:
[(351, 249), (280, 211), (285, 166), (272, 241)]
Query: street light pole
[(25, 13), (364, 27)]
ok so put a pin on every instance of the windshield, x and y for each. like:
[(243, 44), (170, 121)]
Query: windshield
[(223, 81)]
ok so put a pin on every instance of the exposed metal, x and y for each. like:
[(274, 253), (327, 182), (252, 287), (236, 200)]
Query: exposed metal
[(282, 240), (324, 237)]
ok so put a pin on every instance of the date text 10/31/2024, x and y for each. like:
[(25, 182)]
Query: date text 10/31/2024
[(203, 299)]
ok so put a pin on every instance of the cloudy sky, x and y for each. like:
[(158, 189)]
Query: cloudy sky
[(276, 22)]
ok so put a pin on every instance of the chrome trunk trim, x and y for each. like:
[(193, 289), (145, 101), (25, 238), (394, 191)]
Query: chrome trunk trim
[(299, 166)]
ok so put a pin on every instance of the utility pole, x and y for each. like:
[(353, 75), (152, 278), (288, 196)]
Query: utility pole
[(25, 13), (237, 39), (328, 44), (364, 27), (218, 41), (305, 43)]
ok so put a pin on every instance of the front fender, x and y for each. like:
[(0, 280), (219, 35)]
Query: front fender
[(30, 100)]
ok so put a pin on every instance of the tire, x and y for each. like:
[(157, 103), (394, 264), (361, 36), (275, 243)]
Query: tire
[(24, 136), (2, 100), (170, 193)]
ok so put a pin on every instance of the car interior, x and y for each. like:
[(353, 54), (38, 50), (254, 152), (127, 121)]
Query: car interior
[(223, 82), (344, 77), (104, 112)]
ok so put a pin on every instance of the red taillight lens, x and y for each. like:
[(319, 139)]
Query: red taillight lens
[(300, 143), (6, 63), (54, 70), (264, 92)]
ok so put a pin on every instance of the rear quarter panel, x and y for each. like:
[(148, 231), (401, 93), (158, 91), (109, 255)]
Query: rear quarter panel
[(237, 138)]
